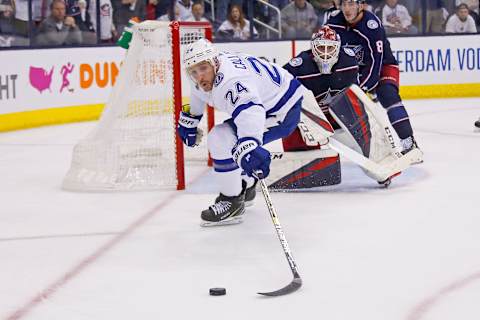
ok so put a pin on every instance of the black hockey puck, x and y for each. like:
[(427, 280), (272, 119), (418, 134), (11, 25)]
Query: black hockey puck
[(217, 291)]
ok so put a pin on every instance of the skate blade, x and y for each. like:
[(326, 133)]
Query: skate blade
[(226, 222)]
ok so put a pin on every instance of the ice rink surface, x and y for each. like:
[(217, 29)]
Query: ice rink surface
[(408, 252)]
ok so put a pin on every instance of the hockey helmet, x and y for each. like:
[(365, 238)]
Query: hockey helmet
[(325, 45), (200, 51)]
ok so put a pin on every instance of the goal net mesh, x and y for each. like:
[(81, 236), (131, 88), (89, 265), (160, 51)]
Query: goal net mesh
[(133, 146)]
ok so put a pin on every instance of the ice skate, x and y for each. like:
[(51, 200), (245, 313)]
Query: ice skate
[(225, 211), (409, 144), (249, 193)]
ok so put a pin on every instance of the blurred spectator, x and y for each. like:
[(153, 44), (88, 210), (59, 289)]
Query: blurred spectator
[(157, 8), (107, 29), (84, 22), (473, 6), (323, 9), (236, 27), (6, 23), (396, 18), (198, 12), (40, 10), (167, 16), (185, 9), (124, 10), (461, 21), (298, 20), (58, 29), (223, 7), (73, 7), (7, 14), (21, 17), (436, 15)]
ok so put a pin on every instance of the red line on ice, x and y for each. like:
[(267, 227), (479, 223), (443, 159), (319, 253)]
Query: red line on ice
[(76, 270), (427, 304)]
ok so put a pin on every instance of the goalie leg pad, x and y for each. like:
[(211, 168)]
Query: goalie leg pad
[(314, 120), (350, 114), (295, 142), (297, 174)]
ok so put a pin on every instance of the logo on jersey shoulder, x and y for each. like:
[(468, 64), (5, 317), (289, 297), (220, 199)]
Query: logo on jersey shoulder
[(334, 13), (295, 62), (372, 24), (349, 52), (218, 78)]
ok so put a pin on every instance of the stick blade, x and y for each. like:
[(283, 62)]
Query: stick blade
[(291, 287)]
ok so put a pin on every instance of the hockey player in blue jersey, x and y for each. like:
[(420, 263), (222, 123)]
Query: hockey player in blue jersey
[(263, 101), (330, 72), (363, 32), (326, 69)]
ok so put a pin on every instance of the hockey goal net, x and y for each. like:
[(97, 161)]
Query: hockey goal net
[(134, 145)]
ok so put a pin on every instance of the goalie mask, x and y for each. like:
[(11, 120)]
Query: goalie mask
[(325, 48), (198, 53)]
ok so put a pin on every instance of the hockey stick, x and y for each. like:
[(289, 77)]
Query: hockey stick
[(297, 281)]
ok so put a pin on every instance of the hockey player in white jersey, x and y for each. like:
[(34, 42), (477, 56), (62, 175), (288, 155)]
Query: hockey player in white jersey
[(264, 103)]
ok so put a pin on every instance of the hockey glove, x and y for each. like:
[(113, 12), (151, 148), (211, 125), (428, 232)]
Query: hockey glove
[(187, 129), (251, 157)]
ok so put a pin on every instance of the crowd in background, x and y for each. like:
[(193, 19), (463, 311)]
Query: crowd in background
[(77, 22)]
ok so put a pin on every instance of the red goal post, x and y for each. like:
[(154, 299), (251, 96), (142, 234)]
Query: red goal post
[(177, 27)]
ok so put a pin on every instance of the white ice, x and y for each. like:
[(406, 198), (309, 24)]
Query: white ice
[(408, 252)]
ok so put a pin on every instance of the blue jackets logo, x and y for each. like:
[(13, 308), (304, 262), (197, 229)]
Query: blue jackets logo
[(295, 62), (372, 24)]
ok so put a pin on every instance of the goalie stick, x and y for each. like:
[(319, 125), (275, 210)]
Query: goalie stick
[(296, 283)]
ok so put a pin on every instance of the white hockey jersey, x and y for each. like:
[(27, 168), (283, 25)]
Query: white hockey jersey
[(255, 93)]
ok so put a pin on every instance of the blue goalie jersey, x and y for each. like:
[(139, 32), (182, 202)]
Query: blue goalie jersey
[(324, 86)]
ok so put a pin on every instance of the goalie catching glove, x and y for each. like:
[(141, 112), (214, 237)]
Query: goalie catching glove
[(251, 157), (188, 129)]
